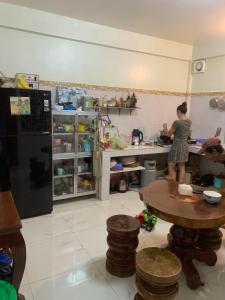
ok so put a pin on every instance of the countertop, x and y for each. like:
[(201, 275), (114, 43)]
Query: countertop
[(136, 150), (150, 149)]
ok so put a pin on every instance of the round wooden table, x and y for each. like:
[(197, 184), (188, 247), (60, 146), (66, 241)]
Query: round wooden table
[(195, 233)]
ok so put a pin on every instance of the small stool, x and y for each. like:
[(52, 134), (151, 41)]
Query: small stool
[(7, 291), (157, 273), (122, 240), (11, 238)]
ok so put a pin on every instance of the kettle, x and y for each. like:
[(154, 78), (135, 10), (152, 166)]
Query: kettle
[(137, 137)]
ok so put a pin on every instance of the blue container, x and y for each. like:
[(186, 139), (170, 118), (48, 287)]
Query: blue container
[(200, 141), (218, 182)]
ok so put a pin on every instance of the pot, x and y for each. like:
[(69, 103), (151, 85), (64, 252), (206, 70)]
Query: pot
[(213, 102)]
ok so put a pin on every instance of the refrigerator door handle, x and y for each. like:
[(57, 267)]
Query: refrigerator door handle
[(46, 132)]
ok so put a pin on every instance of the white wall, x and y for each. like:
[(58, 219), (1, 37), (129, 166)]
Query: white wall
[(209, 49), (63, 49), (205, 120), (213, 80)]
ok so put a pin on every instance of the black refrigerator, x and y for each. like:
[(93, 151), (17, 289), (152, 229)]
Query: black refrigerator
[(26, 149)]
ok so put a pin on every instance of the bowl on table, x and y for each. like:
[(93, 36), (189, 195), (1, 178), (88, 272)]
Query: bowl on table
[(212, 197)]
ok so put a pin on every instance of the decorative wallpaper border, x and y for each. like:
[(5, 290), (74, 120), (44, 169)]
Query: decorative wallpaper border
[(125, 90), (109, 88), (208, 94)]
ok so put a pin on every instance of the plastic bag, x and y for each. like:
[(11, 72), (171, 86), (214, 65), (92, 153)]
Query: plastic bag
[(116, 142)]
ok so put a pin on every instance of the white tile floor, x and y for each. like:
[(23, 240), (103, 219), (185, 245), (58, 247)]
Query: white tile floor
[(66, 254)]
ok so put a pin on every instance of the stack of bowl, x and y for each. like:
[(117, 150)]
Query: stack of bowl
[(157, 273), (122, 240), (129, 161)]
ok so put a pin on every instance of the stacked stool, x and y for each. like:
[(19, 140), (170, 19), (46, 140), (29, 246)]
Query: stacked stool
[(157, 273), (122, 240)]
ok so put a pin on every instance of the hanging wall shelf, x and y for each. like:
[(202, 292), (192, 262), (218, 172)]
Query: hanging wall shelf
[(119, 108)]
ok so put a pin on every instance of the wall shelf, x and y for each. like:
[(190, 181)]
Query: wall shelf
[(119, 108)]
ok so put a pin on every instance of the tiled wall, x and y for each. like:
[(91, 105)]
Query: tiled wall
[(157, 109), (154, 111), (204, 119), (204, 123)]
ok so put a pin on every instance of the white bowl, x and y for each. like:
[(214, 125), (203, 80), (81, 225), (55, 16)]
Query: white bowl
[(212, 197)]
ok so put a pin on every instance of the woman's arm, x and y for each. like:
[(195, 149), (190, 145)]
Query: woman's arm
[(169, 132)]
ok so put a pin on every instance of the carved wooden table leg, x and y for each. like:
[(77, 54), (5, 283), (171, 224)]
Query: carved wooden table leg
[(138, 297), (189, 244), (207, 256), (191, 273), (210, 239)]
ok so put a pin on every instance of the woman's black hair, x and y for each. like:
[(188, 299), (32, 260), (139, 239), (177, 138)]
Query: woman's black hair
[(182, 108)]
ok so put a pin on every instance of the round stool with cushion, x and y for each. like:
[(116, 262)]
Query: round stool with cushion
[(7, 291), (122, 240), (157, 273)]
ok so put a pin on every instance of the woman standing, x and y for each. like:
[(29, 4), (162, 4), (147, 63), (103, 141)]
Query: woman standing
[(179, 150)]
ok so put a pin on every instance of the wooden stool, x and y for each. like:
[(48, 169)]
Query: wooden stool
[(157, 273), (122, 240), (11, 238)]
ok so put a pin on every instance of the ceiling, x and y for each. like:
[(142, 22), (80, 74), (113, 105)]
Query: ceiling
[(186, 21)]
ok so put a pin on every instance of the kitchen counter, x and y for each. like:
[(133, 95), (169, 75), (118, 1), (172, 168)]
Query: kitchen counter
[(152, 149), (129, 151), (194, 149), (136, 150)]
